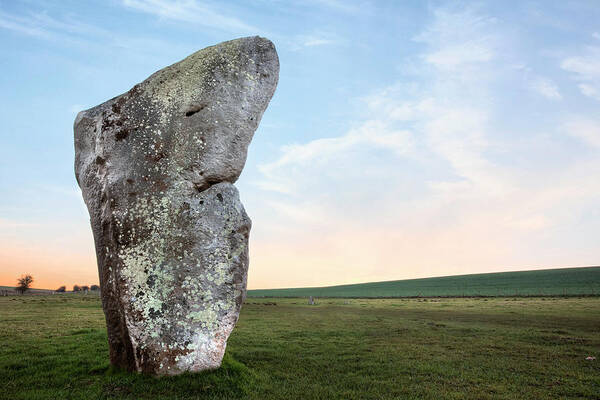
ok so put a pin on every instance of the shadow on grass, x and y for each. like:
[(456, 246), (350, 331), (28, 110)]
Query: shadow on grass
[(232, 380)]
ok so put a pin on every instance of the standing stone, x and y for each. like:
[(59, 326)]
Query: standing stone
[(156, 166)]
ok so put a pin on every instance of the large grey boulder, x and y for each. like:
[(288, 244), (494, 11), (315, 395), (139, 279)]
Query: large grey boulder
[(156, 166)]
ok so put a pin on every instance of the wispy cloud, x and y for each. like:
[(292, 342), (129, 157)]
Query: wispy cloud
[(590, 90), (68, 30), (458, 39), (375, 134), (436, 121), (445, 125), (36, 25), (546, 88), (347, 7), (200, 13), (586, 70), (585, 129), (586, 66), (312, 41), (458, 55)]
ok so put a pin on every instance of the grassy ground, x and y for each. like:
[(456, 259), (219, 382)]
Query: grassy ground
[(563, 281), (54, 347)]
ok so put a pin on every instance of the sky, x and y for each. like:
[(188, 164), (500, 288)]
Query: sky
[(405, 139)]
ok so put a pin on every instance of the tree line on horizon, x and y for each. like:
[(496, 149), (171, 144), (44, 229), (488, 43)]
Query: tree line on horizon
[(79, 288), (25, 281)]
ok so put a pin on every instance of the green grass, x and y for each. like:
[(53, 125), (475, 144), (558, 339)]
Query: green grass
[(548, 282), (54, 347)]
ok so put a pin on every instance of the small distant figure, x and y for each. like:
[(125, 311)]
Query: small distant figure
[(311, 301), (24, 283)]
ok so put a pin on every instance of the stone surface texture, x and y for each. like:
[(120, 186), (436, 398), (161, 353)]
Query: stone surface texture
[(156, 166)]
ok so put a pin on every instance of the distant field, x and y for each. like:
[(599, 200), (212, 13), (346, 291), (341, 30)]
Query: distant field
[(30, 291), (55, 347), (564, 281), (12, 290)]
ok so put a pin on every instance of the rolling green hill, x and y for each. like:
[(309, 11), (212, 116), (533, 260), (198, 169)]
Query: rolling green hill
[(564, 281)]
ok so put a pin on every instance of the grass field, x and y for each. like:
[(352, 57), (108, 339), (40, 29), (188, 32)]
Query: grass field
[(563, 281), (54, 347)]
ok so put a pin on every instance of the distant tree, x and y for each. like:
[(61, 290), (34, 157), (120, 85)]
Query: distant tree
[(61, 289), (94, 287), (23, 283), (76, 288), (85, 288)]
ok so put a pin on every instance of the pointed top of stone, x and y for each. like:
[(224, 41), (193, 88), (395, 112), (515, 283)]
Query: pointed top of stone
[(208, 104)]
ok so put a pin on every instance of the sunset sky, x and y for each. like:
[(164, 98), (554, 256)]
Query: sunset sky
[(406, 139)]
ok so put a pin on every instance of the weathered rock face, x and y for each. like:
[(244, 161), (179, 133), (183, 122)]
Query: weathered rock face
[(156, 166)]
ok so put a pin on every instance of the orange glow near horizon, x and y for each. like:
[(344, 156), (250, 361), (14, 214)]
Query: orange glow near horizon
[(50, 268), (344, 258)]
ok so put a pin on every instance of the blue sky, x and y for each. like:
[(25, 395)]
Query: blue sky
[(405, 139)]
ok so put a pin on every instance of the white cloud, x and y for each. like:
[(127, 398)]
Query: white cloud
[(596, 35), (314, 41), (587, 67), (590, 90), (41, 25), (438, 120), (585, 129), (70, 31), (343, 6), (375, 134), (586, 70), (458, 55), (546, 88), (192, 11), (457, 39), (29, 26)]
